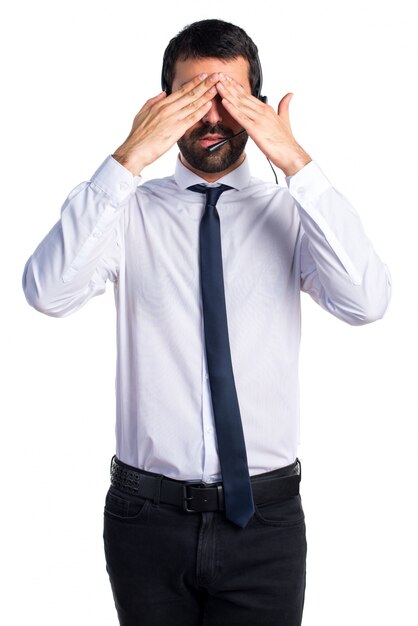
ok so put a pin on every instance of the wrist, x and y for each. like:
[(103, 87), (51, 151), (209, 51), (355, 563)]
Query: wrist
[(131, 163), (296, 162)]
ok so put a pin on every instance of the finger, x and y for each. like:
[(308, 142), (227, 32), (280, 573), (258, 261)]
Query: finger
[(194, 105), (246, 105), (196, 115), (193, 89), (192, 100), (186, 88), (192, 118), (283, 108), (246, 120), (235, 92)]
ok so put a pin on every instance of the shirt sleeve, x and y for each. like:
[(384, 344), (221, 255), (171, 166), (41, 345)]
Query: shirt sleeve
[(339, 267), (82, 251)]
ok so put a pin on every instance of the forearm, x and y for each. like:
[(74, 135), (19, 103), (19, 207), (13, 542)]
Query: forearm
[(339, 267), (80, 253)]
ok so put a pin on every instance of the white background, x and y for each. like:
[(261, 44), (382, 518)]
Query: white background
[(73, 77)]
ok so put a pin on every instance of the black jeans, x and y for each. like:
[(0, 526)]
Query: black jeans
[(172, 568)]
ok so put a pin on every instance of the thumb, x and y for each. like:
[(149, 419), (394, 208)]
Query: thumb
[(283, 108)]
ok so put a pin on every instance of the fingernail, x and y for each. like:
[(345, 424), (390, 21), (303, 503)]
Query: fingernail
[(213, 90), (214, 78), (203, 76)]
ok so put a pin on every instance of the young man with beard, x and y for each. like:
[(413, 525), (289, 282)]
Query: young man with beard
[(203, 518)]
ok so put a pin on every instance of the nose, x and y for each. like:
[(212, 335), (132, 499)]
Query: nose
[(215, 113)]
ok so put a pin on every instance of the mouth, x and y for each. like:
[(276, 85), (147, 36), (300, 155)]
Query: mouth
[(210, 140)]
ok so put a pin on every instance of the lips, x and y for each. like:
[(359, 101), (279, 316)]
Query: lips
[(209, 140)]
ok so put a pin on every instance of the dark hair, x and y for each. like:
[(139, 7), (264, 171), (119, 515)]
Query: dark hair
[(211, 38)]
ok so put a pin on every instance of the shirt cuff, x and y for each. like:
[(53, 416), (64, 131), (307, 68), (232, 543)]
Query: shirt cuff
[(308, 184), (115, 180)]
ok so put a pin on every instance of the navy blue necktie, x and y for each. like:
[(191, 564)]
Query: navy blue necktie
[(239, 505)]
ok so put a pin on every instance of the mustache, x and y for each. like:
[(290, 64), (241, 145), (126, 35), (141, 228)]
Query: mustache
[(217, 129)]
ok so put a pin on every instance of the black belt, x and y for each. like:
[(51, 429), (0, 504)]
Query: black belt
[(195, 497)]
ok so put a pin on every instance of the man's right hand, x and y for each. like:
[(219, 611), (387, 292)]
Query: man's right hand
[(163, 120)]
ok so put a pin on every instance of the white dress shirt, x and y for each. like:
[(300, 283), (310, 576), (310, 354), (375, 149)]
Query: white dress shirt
[(145, 239)]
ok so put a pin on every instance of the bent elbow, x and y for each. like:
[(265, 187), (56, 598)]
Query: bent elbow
[(43, 304), (361, 304), (373, 305), (367, 315), (43, 300)]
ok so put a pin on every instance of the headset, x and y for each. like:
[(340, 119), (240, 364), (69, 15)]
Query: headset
[(256, 93)]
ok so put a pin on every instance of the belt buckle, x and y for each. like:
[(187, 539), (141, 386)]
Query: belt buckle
[(198, 485), (187, 497)]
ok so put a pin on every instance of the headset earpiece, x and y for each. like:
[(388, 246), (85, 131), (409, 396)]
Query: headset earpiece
[(259, 85)]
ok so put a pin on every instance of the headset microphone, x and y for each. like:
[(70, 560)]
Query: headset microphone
[(217, 145), (256, 92)]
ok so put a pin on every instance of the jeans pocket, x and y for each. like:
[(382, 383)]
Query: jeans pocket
[(119, 505), (285, 513)]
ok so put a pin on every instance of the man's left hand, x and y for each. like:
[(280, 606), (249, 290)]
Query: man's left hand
[(271, 131)]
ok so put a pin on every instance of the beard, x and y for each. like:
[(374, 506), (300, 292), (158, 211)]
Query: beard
[(218, 160)]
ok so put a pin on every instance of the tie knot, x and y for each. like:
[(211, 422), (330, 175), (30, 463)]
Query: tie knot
[(212, 193)]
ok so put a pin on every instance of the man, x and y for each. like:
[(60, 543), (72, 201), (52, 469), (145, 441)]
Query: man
[(203, 519)]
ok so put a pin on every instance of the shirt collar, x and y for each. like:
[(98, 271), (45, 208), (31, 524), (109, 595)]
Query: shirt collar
[(239, 178)]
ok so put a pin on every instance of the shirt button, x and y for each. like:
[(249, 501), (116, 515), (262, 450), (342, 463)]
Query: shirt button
[(209, 430), (123, 186), (97, 234), (300, 189)]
